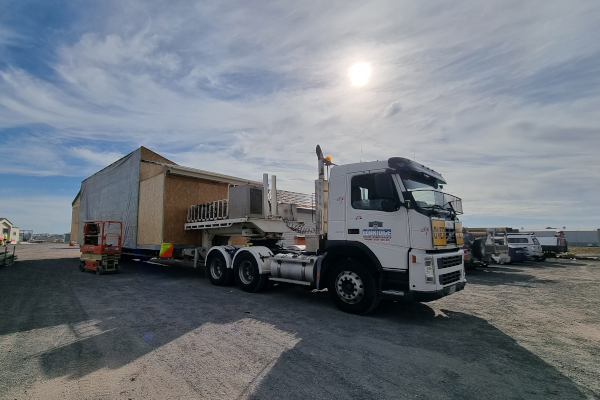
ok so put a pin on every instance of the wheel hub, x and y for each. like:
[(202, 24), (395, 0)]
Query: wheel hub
[(349, 287), (246, 272), (216, 268)]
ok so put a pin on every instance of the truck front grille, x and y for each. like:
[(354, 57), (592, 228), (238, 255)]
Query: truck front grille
[(451, 277), (447, 262)]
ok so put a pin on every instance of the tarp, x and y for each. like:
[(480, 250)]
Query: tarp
[(112, 194)]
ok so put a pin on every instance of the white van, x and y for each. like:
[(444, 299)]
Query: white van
[(528, 242)]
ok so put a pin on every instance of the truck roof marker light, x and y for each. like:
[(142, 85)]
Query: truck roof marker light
[(414, 259), (328, 158)]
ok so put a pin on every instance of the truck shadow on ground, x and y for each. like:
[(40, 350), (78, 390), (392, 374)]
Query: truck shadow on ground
[(403, 350), (407, 350)]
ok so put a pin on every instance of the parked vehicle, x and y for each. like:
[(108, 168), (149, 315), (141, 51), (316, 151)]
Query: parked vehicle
[(481, 248), (517, 254), (529, 243), (553, 242), (474, 251), (384, 230)]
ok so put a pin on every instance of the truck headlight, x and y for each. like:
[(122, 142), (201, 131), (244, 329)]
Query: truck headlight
[(430, 278)]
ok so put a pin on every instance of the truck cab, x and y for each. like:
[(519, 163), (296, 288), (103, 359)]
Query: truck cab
[(392, 217)]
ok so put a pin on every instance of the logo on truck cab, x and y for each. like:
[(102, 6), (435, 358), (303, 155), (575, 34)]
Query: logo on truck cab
[(377, 235)]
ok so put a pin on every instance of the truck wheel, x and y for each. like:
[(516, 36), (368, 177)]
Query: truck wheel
[(478, 249), (246, 273), (352, 287), (82, 266), (217, 271)]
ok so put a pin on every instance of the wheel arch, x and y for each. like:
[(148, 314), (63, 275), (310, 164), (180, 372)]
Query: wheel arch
[(224, 253), (261, 254), (337, 250)]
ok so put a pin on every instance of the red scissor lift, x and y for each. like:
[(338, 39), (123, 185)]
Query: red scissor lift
[(101, 248)]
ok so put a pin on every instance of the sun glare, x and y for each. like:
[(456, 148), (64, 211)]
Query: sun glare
[(360, 73)]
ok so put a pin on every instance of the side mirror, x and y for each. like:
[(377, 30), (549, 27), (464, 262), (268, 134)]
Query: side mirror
[(384, 186), (388, 205)]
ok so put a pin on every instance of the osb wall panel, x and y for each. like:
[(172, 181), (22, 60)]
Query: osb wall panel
[(238, 240), (149, 170), (148, 154), (150, 210), (74, 222), (180, 193)]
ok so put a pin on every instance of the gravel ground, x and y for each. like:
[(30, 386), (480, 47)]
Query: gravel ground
[(528, 331)]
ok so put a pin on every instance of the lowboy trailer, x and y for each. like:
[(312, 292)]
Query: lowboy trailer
[(385, 230)]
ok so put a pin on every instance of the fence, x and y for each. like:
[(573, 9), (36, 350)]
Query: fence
[(6, 258)]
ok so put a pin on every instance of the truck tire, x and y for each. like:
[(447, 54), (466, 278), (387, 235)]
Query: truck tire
[(217, 271), (247, 275), (352, 287), (478, 249)]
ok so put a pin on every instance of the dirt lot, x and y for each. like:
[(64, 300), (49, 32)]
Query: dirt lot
[(584, 250), (157, 332)]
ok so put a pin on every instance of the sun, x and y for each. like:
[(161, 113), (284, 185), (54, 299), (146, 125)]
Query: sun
[(360, 73)]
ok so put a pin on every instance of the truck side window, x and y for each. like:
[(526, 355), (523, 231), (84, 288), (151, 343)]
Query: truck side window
[(364, 196), (518, 240)]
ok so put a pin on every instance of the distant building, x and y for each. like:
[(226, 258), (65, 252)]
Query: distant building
[(582, 237), (575, 237), (12, 231)]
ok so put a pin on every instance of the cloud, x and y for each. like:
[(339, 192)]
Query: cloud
[(392, 109), (501, 98), (91, 156)]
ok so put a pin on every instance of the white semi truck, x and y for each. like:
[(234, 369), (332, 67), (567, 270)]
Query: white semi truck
[(385, 230)]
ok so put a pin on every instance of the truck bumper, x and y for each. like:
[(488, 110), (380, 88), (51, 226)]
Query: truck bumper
[(422, 297)]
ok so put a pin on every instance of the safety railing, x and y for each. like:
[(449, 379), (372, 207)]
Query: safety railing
[(211, 211)]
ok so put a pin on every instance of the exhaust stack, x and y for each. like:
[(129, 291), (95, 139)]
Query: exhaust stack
[(266, 195), (274, 195), (321, 196)]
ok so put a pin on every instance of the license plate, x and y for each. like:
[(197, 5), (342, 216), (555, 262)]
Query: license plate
[(452, 289)]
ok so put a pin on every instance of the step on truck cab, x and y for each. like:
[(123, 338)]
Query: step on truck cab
[(384, 230)]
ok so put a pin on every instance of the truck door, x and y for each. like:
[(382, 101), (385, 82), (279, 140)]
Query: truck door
[(384, 232)]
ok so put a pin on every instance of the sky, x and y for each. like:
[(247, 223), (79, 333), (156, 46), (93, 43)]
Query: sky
[(502, 98)]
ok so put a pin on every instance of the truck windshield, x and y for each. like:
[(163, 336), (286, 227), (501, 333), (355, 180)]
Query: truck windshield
[(425, 194)]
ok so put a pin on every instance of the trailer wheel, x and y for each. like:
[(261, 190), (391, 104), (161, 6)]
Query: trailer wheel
[(217, 271), (247, 275), (82, 266), (352, 287)]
